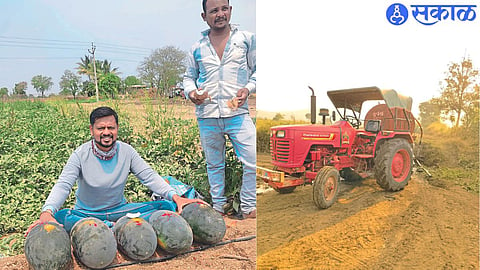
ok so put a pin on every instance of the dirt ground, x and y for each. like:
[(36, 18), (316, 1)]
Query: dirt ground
[(231, 255), (420, 227)]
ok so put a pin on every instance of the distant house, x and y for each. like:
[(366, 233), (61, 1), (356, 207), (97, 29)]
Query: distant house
[(133, 89)]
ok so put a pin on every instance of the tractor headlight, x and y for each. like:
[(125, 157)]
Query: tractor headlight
[(271, 133), (280, 134)]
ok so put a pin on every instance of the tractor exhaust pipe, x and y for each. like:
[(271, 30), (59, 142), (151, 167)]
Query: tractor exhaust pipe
[(313, 107)]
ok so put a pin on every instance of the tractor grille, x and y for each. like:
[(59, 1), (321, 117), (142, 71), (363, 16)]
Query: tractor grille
[(280, 150)]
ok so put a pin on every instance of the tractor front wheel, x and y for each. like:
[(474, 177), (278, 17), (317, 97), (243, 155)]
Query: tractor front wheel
[(393, 164), (325, 187)]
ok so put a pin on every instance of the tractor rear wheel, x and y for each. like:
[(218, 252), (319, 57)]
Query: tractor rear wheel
[(325, 187), (393, 164)]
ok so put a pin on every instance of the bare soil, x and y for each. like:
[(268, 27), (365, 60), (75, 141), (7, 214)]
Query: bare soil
[(421, 227), (231, 255)]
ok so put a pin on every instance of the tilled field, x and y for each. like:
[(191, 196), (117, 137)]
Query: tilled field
[(420, 227)]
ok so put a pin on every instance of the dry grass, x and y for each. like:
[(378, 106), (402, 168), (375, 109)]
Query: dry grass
[(136, 110)]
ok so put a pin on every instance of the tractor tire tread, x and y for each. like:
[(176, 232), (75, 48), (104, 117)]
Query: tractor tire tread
[(383, 163), (318, 199)]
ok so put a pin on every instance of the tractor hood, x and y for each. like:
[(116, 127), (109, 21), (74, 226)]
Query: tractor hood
[(319, 133), (327, 135), (354, 98), (291, 144), (307, 128)]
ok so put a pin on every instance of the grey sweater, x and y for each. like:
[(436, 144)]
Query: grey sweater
[(101, 183)]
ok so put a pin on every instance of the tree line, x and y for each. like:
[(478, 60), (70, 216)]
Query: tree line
[(459, 99), (161, 70)]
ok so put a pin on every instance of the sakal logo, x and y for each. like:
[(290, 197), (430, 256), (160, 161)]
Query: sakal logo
[(397, 14)]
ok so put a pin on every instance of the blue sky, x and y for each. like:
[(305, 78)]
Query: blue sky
[(46, 37), (324, 44)]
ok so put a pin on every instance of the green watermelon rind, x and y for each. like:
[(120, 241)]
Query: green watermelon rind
[(174, 235), (208, 225), (95, 248), (137, 241), (45, 254)]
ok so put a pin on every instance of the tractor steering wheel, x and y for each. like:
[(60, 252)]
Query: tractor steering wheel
[(353, 121)]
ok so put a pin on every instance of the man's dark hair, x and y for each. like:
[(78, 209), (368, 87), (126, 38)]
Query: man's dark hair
[(204, 5), (102, 112)]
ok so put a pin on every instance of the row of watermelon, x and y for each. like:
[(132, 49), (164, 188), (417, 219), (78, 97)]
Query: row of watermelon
[(48, 246)]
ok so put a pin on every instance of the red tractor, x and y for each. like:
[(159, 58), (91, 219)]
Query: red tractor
[(380, 145)]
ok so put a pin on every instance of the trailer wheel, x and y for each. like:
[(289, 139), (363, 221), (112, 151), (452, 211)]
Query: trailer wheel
[(325, 187), (393, 164)]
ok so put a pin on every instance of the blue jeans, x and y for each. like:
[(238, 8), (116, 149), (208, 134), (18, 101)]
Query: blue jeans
[(242, 133), (68, 217)]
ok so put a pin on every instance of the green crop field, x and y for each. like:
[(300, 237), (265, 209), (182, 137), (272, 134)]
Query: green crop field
[(37, 138)]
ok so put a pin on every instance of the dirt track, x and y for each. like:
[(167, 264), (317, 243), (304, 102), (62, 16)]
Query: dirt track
[(421, 227)]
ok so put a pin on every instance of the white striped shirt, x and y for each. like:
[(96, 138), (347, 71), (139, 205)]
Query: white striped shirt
[(222, 78)]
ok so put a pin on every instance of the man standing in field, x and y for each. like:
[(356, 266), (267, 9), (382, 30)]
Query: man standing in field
[(220, 75), (100, 168)]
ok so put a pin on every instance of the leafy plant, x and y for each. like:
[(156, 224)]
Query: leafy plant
[(37, 138)]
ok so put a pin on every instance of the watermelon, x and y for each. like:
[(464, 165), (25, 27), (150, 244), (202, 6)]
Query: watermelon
[(174, 235), (93, 243), (135, 237), (48, 247), (207, 224)]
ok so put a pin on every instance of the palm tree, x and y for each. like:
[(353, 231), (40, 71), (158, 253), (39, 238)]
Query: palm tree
[(105, 67), (85, 67)]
